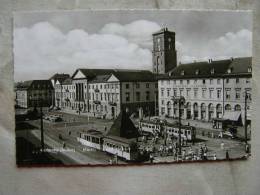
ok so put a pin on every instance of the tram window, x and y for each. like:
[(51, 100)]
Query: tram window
[(188, 132)]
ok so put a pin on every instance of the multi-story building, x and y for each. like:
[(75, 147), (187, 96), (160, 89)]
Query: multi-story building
[(34, 93), (57, 81), (105, 92), (214, 89)]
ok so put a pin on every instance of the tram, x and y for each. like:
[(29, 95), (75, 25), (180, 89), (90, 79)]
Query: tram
[(92, 138), (126, 149), (153, 127)]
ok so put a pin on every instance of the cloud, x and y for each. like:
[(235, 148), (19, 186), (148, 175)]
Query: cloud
[(42, 50), (138, 32), (232, 44)]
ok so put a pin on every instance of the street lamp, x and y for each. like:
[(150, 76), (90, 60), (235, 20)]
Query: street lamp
[(246, 99), (42, 133), (180, 100)]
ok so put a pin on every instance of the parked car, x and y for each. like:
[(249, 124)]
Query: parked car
[(226, 134)]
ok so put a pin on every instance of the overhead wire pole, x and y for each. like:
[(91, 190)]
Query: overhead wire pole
[(179, 126), (246, 117), (42, 133), (179, 100)]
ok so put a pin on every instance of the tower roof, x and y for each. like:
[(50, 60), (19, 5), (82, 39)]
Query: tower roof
[(123, 127)]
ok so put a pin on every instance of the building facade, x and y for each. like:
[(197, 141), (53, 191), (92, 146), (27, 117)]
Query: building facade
[(106, 92), (34, 93), (214, 89)]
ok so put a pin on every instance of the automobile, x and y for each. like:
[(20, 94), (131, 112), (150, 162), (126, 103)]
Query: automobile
[(55, 119), (226, 134)]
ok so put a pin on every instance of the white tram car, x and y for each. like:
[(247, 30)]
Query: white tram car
[(91, 138), (187, 132), (125, 148)]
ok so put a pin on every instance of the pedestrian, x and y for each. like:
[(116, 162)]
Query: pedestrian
[(227, 155), (151, 158)]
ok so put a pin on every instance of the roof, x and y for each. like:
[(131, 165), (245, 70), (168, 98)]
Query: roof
[(123, 127), (91, 73), (67, 81), (120, 139), (100, 78), (60, 77), (94, 132), (238, 66), (232, 115), (135, 75), (101, 75), (163, 30), (44, 84)]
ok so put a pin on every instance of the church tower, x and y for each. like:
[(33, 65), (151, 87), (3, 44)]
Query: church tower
[(164, 52)]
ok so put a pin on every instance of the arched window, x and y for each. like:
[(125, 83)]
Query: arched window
[(227, 107), (237, 107)]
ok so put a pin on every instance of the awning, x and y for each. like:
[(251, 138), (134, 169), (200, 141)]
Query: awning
[(232, 115)]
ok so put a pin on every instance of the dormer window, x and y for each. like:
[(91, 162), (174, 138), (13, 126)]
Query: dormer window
[(197, 72), (249, 69), (182, 72), (212, 71), (229, 70)]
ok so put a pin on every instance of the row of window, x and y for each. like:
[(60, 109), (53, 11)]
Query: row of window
[(137, 85), (204, 94), (137, 96), (202, 81)]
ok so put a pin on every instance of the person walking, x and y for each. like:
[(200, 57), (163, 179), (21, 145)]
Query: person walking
[(227, 155)]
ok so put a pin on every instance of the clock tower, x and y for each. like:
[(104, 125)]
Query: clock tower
[(164, 52)]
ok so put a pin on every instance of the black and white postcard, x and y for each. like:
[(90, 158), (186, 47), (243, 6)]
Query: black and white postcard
[(125, 87)]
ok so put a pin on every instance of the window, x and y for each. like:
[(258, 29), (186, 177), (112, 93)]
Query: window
[(162, 102), (203, 93), (162, 92), (237, 80), (168, 92), (188, 93), (182, 72), (218, 81), (147, 96), (197, 71), (162, 110), (212, 71), (195, 81), (195, 93), (211, 93), (249, 69), (138, 96), (227, 94), (204, 81), (147, 85), (247, 80), (181, 82), (227, 80), (127, 86), (137, 85), (127, 97), (188, 82), (211, 81), (181, 92), (237, 95), (174, 92)]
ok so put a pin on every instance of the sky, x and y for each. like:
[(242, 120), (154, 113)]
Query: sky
[(46, 43)]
